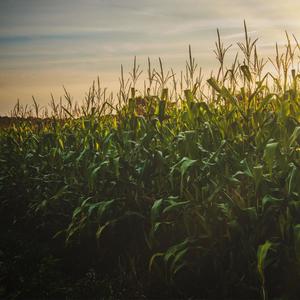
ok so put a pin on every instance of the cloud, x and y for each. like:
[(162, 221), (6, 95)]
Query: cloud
[(65, 37)]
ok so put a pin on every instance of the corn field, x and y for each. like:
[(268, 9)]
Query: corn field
[(184, 189)]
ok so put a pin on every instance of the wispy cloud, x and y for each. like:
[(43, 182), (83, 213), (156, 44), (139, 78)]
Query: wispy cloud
[(68, 41)]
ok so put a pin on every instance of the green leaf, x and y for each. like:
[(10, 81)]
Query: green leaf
[(265, 101), (178, 262), (185, 164), (294, 136), (153, 258), (175, 206), (105, 207), (262, 253), (61, 143), (102, 228), (293, 179), (172, 251), (270, 154), (156, 210)]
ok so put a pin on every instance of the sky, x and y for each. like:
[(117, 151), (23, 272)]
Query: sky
[(45, 45)]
